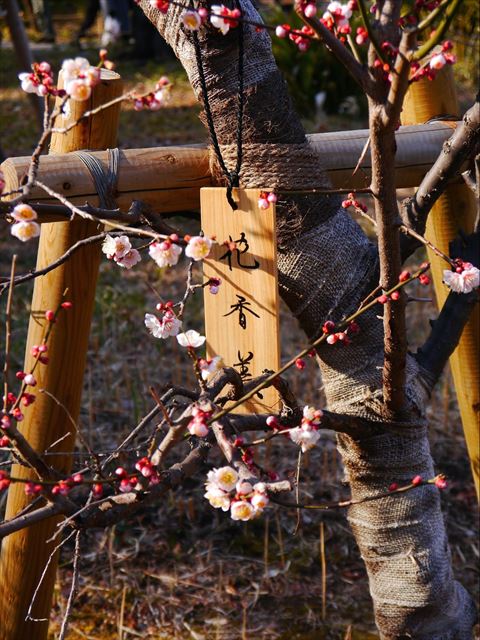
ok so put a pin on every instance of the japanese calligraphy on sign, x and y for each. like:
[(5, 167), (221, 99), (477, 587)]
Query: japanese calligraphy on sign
[(241, 320)]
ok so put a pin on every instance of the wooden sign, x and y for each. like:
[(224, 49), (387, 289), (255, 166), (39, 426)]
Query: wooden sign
[(241, 320)]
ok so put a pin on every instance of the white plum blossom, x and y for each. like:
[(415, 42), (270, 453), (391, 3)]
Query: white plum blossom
[(165, 254), (244, 488), (217, 20), (79, 77), (198, 247), (218, 498), (79, 90), (191, 20), (25, 230), (209, 367), (225, 477), (225, 490), (74, 68), (129, 260), (259, 501), (32, 84), (341, 13), (23, 213), (305, 436), (190, 339), (464, 282), (438, 61), (312, 415), (242, 510), (197, 428), (170, 325), (27, 83), (116, 248)]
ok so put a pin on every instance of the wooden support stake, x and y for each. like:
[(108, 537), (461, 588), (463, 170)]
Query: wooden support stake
[(169, 178), (455, 210), (241, 320), (25, 554)]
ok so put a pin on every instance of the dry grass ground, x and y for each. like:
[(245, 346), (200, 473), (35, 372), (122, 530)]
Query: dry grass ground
[(183, 570)]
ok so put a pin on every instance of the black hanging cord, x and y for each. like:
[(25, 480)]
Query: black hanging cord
[(233, 176)]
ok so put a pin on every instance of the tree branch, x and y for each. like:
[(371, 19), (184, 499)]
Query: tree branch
[(462, 145), (340, 51)]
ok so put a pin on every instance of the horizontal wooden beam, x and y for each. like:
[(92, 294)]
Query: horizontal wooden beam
[(169, 178)]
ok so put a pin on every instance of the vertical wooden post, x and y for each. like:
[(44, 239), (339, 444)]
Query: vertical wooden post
[(453, 211), (25, 554)]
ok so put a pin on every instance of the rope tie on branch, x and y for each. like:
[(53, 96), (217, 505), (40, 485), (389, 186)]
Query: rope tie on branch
[(233, 176), (105, 181)]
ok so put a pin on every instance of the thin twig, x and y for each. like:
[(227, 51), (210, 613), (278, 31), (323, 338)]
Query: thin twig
[(73, 588), (8, 335)]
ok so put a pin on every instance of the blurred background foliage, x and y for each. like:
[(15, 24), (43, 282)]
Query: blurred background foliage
[(312, 73)]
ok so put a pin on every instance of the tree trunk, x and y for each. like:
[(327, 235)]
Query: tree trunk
[(326, 267)]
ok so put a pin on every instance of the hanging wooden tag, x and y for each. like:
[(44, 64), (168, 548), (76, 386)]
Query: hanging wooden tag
[(241, 320)]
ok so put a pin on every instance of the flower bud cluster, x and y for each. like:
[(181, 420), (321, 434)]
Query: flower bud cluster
[(198, 424), (161, 5), (351, 201), (148, 470), (224, 490), (337, 18), (156, 98), (344, 336), (438, 60), (266, 198), (223, 18), (39, 81)]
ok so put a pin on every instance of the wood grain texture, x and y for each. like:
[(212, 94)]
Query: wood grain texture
[(454, 210), (25, 553), (242, 318)]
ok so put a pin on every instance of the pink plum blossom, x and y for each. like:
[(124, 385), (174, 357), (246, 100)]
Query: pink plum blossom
[(129, 260), (464, 282), (198, 247), (165, 254)]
